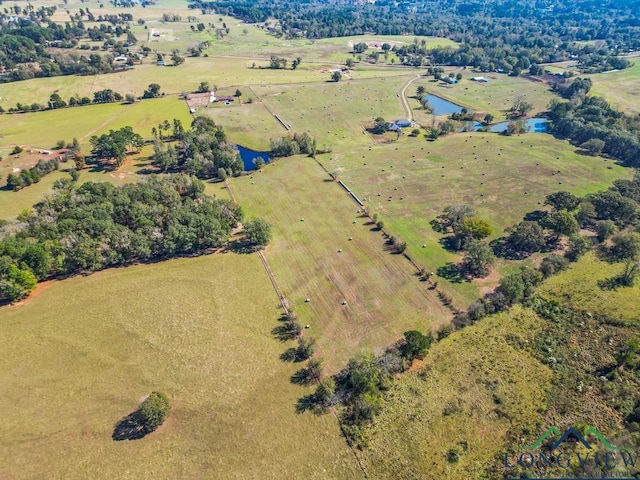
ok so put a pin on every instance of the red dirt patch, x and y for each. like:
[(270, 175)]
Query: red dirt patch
[(41, 287)]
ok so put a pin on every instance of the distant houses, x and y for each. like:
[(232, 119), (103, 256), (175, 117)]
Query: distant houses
[(480, 79)]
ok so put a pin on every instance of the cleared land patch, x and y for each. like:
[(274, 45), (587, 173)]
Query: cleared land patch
[(336, 113), (199, 329), (621, 88), (578, 287), (384, 297)]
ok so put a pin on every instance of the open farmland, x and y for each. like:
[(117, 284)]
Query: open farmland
[(336, 114), (83, 122), (384, 297), (82, 353), (409, 182), (620, 88)]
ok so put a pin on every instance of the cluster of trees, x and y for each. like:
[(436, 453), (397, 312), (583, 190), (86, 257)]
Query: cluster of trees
[(380, 126), (592, 118), (293, 145), (613, 215), (113, 147), (357, 389), (98, 225), (203, 151), (17, 181), (467, 233), (436, 130), (504, 35), (24, 46)]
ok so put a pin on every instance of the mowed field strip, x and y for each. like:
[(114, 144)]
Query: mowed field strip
[(313, 257), (82, 353)]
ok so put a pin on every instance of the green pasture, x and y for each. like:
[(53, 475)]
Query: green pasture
[(620, 88), (41, 130), (313, 218), (578, 287), (472, 389), (249, 124), (495, 97), (409, 182), (336, 114), (82, 353), (218, 71), (256, 42)]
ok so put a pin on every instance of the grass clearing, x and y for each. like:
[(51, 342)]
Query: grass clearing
[(384, 297), (621, 88), (83, 122), (250, 124), (336, 113), (90, 348), (409, 182)]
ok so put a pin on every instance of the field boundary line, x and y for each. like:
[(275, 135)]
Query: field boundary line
[(106, 122), (283, 303), (385, 234), (263, 259)]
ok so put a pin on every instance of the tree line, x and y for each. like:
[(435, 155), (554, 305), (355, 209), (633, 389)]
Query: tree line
[(505, 34), (613, 215), (101, 96), (586, 119), (89, 227)]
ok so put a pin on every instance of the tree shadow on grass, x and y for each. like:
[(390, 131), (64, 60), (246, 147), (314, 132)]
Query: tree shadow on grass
[(452, 272), (613, 283), (535, 216), (286, 331), (310, 403), (292, 355), (241, 246), (130, 427), (302, 377)]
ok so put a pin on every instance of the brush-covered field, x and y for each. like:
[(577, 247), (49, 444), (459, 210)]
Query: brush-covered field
[(499, 384)]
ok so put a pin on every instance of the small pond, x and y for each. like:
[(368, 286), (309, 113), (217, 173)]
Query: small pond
[(535, 125), (441, 106), (247, 155)]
